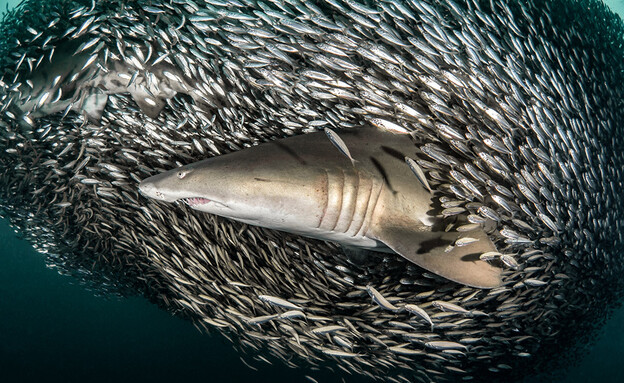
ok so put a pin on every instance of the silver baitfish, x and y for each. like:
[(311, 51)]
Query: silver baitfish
[(514, 109)]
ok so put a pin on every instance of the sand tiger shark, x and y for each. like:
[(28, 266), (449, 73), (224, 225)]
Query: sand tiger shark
[(368, 199)]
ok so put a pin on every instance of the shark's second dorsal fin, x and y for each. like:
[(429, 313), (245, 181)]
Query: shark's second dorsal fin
[(430, 250)]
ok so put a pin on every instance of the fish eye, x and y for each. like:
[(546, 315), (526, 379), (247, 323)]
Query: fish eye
[(182, 173)]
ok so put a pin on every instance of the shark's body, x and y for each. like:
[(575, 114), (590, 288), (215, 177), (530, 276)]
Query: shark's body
[(304, 185)]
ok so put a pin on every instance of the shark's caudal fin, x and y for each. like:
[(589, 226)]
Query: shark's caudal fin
[(461, 264)]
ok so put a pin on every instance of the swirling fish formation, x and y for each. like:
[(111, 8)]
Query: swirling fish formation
[(516, 108)]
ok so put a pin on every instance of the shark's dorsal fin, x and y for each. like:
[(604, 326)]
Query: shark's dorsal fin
[(429, 250)]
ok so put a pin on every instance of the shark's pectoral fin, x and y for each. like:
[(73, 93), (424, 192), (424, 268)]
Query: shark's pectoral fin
[(430, 250)]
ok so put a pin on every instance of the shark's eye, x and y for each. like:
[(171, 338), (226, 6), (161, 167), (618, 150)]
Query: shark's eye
[(182, 173)]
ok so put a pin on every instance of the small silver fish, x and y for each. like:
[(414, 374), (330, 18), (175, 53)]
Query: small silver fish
[(445, 345), (381, 300), (275, 301), (339, 143), (464, 241), (261, 319), (449, 307), (414, 309), (420, 174), (490, 256), (328, 329)]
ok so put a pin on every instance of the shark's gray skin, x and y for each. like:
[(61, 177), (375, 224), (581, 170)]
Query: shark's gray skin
[(304, 185)]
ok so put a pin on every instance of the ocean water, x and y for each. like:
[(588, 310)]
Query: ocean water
[(54, 330)]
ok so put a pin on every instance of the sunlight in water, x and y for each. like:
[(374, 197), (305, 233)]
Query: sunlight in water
[(616, 6)]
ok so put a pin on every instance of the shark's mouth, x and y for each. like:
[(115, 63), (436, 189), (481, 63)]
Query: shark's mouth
[(192, 202)]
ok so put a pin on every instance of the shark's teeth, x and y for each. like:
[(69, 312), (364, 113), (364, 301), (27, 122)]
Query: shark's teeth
[(195, 201)]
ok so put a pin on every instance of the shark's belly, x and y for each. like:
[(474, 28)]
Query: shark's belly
[(346, 239)]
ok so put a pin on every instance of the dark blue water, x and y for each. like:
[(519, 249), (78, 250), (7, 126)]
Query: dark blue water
[(53, 330)]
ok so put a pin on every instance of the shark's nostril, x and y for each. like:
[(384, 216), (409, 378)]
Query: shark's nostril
[(148, 190)]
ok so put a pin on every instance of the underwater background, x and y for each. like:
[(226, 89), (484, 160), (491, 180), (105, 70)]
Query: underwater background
[(54, 330)]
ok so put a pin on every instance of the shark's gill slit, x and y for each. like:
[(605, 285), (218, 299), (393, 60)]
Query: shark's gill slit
[(339, 189), (365, 189), (355, 195), (349, 195), (325, 193), (334, 199), (371, 206)]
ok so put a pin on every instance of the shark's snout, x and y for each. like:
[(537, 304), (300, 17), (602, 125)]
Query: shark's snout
[(148, 189)]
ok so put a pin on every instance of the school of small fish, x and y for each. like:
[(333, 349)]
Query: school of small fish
[(516, 108)]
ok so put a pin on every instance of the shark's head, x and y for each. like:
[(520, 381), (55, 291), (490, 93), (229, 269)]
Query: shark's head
[(256, 186)]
